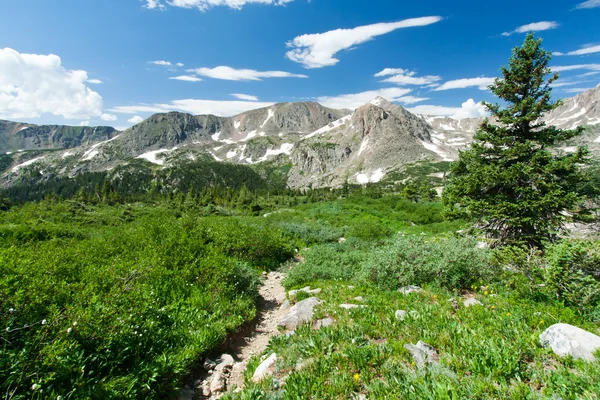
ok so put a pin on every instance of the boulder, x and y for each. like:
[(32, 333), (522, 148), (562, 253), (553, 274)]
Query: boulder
[(323, 323), (401, 315), (285, 305), (422, 353), (292, 294), (300, 313), (224, 362), (569, 340), (264, 369), (410, 289), (471, 301)]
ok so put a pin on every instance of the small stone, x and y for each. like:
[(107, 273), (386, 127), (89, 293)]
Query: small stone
[(224, 362), (401, 315), (264, 369), (569, 340), (410, 289), (471, 301), (351, 306), (422, 353), (322, 323), (217, 382), (236, 379)]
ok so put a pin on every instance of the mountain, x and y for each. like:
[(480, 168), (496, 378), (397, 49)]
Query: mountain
[(321, 147), (15, 136)]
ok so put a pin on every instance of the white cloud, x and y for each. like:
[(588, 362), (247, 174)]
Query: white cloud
[(575, 90), (161, 63), (135, 120), (468, 109), (179, 65), (84, 123), (589, 4), (94, 81), (590, 67), (232, 74), (186, 78), (481, 83), (242, 96), (318, 50), (580, 52), (32, 84), (534, 27), (108, 117), (204, 5), (405, 77), (355, 100), (223, 108)]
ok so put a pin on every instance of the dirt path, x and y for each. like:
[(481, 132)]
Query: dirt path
[(228, 372), (272, 295)]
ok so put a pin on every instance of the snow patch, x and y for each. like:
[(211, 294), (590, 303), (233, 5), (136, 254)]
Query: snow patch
[(574, 116), (330, 127), (271, 115), (572, 149), (597, 140), (92, 152), (152, 155), (26, 163), (67, 154), (215, 157), (363, 146), (217, 148), (594, 121), (215, 137), (285, 148), (377, 101), (231, 153), (23, 128), (236, 124), (435, 149), (375, 177)]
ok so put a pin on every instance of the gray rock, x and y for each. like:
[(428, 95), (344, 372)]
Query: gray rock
[(293, 293), (236, 379), (351, 306), (218, 381), (323, 323), (471, 301), (410, 289), (401, 315), (422, 353), (569, 340), (224, 362), (285, 305), (264, 369), (300, 313)]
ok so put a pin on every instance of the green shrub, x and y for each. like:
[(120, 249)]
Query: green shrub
[(573, 273)]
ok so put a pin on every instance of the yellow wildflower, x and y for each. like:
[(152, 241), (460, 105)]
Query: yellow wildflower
[(356, 377)]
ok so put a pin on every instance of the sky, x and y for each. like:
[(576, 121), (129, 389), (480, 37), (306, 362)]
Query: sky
[(116, 62)]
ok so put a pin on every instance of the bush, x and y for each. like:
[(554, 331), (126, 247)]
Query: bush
[(573, 273)]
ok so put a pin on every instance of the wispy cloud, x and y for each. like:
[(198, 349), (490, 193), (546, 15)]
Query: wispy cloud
[(204, 5), (589, 4), (534, 27), (468, 109), (355, 100), (242, 96), (232, 74), (583, 51), (164, 63), (186, 78), (94, 81), (589, 67), (403, 77), (318, 50), (575, 90), (223, 108), (481, 82)]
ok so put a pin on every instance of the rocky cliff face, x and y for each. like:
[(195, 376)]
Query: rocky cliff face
[(15, 136), (325, 147)]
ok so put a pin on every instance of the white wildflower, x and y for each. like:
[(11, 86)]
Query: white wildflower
[(44, 322), (69, 330)]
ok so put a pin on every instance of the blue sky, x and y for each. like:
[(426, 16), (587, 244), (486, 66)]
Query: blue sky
[(435, 55)]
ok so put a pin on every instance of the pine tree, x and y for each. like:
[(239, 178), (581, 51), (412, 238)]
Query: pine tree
[(510, 180)]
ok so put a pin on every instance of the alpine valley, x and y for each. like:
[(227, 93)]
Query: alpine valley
[(310, 146)]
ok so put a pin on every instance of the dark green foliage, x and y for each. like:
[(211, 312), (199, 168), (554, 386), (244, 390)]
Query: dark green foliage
[(509, 180)]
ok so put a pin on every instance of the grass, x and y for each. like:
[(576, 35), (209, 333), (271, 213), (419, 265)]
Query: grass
[(489, 351)]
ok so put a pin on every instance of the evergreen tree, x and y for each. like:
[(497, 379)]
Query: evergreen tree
[(509, 179)]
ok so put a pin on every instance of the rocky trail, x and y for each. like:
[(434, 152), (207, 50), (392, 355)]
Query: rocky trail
[(227, 372)]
